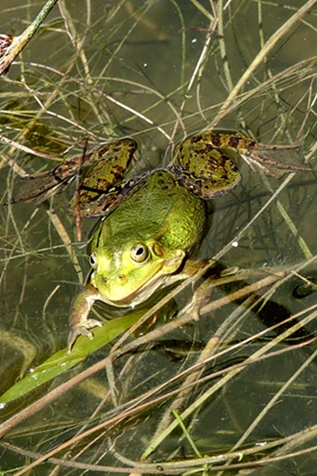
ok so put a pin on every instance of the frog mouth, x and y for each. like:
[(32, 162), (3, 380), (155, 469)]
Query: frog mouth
[(119, 290), (145, 291)]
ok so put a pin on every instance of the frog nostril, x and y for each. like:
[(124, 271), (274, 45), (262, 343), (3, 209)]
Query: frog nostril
[(121, 277), (105, 279)]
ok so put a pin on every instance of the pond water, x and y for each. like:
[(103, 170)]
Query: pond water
[(159, 70)]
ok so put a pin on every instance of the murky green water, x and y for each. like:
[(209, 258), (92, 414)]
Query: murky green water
[(159, 70)]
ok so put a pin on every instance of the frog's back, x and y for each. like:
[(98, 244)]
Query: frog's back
[(162, 209)]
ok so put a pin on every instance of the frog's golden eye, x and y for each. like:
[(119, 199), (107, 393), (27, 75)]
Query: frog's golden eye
[(93, 260), (139, 253)]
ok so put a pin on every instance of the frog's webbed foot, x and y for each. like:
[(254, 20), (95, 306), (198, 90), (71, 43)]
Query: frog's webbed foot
[(81, 328)]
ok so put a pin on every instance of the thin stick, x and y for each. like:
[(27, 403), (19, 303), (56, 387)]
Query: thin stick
[(258, 60), (18, 43)]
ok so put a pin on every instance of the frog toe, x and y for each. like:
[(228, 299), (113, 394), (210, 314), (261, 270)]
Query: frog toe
[(81, 329)]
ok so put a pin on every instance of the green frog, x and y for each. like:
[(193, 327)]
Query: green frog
[(151, 224)]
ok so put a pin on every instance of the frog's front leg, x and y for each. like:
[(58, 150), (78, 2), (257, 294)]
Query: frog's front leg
[(201, 290), (79, 311)]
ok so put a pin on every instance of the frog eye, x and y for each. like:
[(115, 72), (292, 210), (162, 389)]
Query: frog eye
[(93, 260), (139, 252)]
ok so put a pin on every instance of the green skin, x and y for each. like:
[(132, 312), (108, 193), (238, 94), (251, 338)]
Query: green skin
[(144, 241)]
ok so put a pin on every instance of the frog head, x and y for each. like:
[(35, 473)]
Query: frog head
[(130, 274)]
